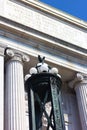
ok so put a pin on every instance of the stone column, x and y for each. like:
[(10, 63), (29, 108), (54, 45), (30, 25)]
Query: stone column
[(14, 92), (80, 86), (1, 88)]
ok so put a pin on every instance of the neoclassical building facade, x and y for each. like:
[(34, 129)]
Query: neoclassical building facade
[(29, 28)]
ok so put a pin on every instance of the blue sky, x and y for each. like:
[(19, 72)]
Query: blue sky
[(77, 8)]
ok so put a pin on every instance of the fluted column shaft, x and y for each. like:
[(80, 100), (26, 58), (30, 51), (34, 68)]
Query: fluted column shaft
[(81, 93), (1, 88), (14, 95), (80, 86)]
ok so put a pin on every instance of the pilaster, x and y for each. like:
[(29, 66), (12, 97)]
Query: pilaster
[(2, 49)]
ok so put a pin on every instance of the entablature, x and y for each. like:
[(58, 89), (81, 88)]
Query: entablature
[(46, 20)]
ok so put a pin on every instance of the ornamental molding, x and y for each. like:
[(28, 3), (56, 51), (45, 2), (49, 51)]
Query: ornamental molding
[(64, 60)]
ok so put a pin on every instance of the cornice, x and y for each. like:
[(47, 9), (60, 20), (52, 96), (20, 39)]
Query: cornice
[(56, 13)]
